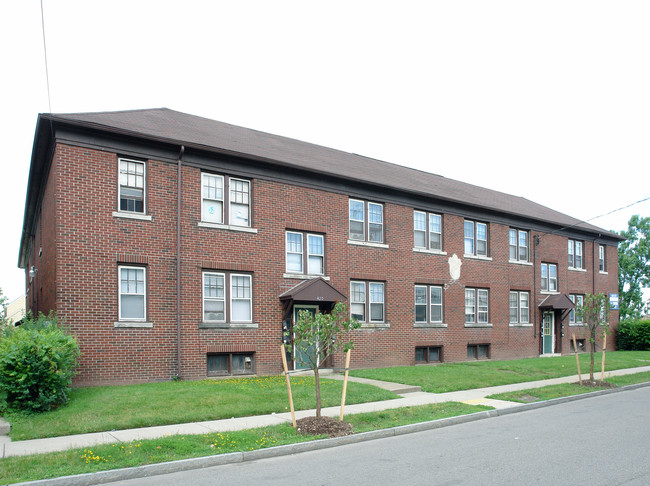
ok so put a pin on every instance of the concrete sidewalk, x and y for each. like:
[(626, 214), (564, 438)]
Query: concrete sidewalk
[(410, 396)]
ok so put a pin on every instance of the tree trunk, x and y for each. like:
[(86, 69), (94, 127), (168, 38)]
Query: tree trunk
[(591, 366), (317, 383)]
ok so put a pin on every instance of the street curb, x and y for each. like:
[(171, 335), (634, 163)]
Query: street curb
[(148, 470)]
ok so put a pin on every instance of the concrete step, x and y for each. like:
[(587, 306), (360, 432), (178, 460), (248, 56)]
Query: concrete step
[(5, 427)]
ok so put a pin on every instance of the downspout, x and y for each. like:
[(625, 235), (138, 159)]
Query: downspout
[(178, 264), (593, 269)]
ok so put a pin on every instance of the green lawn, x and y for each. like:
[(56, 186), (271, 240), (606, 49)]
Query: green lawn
[(137, 453), (448, 377), (567, 389), (104, 408)]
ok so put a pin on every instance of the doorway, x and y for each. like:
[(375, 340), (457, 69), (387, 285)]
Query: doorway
[(302, 359), (548, 333)]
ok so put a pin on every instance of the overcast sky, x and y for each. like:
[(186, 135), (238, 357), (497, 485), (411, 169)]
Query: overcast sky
[(549, 100)]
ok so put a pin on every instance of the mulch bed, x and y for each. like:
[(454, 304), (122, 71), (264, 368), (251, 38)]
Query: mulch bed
[(596, 383), (323, 425)]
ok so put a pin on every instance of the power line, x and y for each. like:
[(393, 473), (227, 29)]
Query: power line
[(47, 74), (620, 209)]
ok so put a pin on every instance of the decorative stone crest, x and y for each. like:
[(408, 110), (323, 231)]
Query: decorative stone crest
[(454, 267)]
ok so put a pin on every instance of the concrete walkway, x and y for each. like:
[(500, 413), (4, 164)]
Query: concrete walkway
[(410, 396)]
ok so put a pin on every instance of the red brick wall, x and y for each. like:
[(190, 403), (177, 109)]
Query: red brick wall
[(91, 242)]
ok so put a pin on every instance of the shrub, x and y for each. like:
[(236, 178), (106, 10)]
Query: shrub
[(633, 335), (37, 363)]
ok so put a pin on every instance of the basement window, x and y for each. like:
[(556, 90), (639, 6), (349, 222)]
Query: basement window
[(428, 354), (581, 346), (225, 364), (478, 351)]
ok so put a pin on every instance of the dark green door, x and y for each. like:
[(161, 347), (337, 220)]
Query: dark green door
[(548, 336), (301, 357)]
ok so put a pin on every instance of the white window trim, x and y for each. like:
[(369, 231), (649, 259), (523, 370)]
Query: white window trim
[(250, 205), (226, 202), (475, 240), (366, 224), (429, 322), (476, 322), (223, 202), (127, 215), (367, 323), (132, 320), (368, 244), (302, 253), (427, 233), (519, 323), (225, 295), (144, 188), (243, 229), (250, 299), (430, 252)]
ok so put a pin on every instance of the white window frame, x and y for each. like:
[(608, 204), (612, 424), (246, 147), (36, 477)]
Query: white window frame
[(427, 232), (288, 251), (578, 300), (370, 300), (602, 262), (141, 163), (122, 318), (227, 202), (479, 306), (520, 251), (310, 255), (204, 177), (546, 278), (305, 253), (576, 253), (356, 301), (216, 299), (471, 243), (521, 307), (429, 304), (232, 298), (366, 221)]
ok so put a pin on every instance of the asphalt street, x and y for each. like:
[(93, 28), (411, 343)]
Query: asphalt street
[(603, 440)]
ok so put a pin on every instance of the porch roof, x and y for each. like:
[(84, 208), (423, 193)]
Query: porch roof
[(557, 302), (313, 290)]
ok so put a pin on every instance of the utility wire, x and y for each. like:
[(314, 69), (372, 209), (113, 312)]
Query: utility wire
[(47, 73)]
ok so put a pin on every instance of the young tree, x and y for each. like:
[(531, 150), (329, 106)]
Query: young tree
[(595, 317), (3, 310), (316, 337), (633, 267)]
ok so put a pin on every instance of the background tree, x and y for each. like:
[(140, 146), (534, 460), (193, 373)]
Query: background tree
[(317, 337), (595, 317), (3, 310), (633, 267)]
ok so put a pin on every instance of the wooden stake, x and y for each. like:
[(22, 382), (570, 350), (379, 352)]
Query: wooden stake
[(345, 383), (286, 375), (575, 348), (602, 366)]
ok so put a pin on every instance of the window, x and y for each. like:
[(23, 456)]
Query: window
[(227, 303), (549, 277), (576, 318), (478, 351), (476, 236), (366, 221), (428, 354), (311, 261), (225, 200), (519, 308), (131, 190), (575, 254), (518, 245), (581, 345), (132, 292), (373, 299), (476, 306), (428, 303), (427, 230), (601, 259), (230, 364)]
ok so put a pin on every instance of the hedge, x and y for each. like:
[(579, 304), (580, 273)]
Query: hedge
[(633, 335)]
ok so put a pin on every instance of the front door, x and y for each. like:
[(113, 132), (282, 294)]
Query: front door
[(548, 335), (301, 359)]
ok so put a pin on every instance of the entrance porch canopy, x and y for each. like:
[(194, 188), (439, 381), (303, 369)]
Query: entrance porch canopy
[(558, 302), (315, 291)]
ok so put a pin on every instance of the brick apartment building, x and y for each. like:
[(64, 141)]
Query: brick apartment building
[(176, 245)]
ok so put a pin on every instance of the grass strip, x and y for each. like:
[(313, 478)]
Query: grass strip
[(115, 456), (447, 377), (567, 389), (106, 408)]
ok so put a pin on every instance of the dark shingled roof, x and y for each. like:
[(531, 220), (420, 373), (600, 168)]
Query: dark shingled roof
[(172, 126)]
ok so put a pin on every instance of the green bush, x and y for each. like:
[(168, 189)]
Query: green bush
[(37, 363), (633, 335)]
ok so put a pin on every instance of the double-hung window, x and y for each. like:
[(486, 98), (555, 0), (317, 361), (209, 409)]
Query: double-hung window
[(518, 245), (476, 306), (519, 307), (366, 221), (476, 238), (576, 318), (225, 200), (132, 186), (601, 259), (367, 295), (549, 277), (132, 293), (575, 254), (428, 303), (227, 297), (427, 230), (305, 253)]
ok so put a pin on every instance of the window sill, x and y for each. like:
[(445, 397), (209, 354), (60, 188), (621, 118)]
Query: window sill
[(430, 252), (576, 324), (228, 325), (125, 215), (430, 325), (230, 227), (478, 257), (575, 269), (133, 324), (367, 243), (521, 324), (304, 276), (375, 325), (477, 324), (521, 262), (549, 292), (600, 272)]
